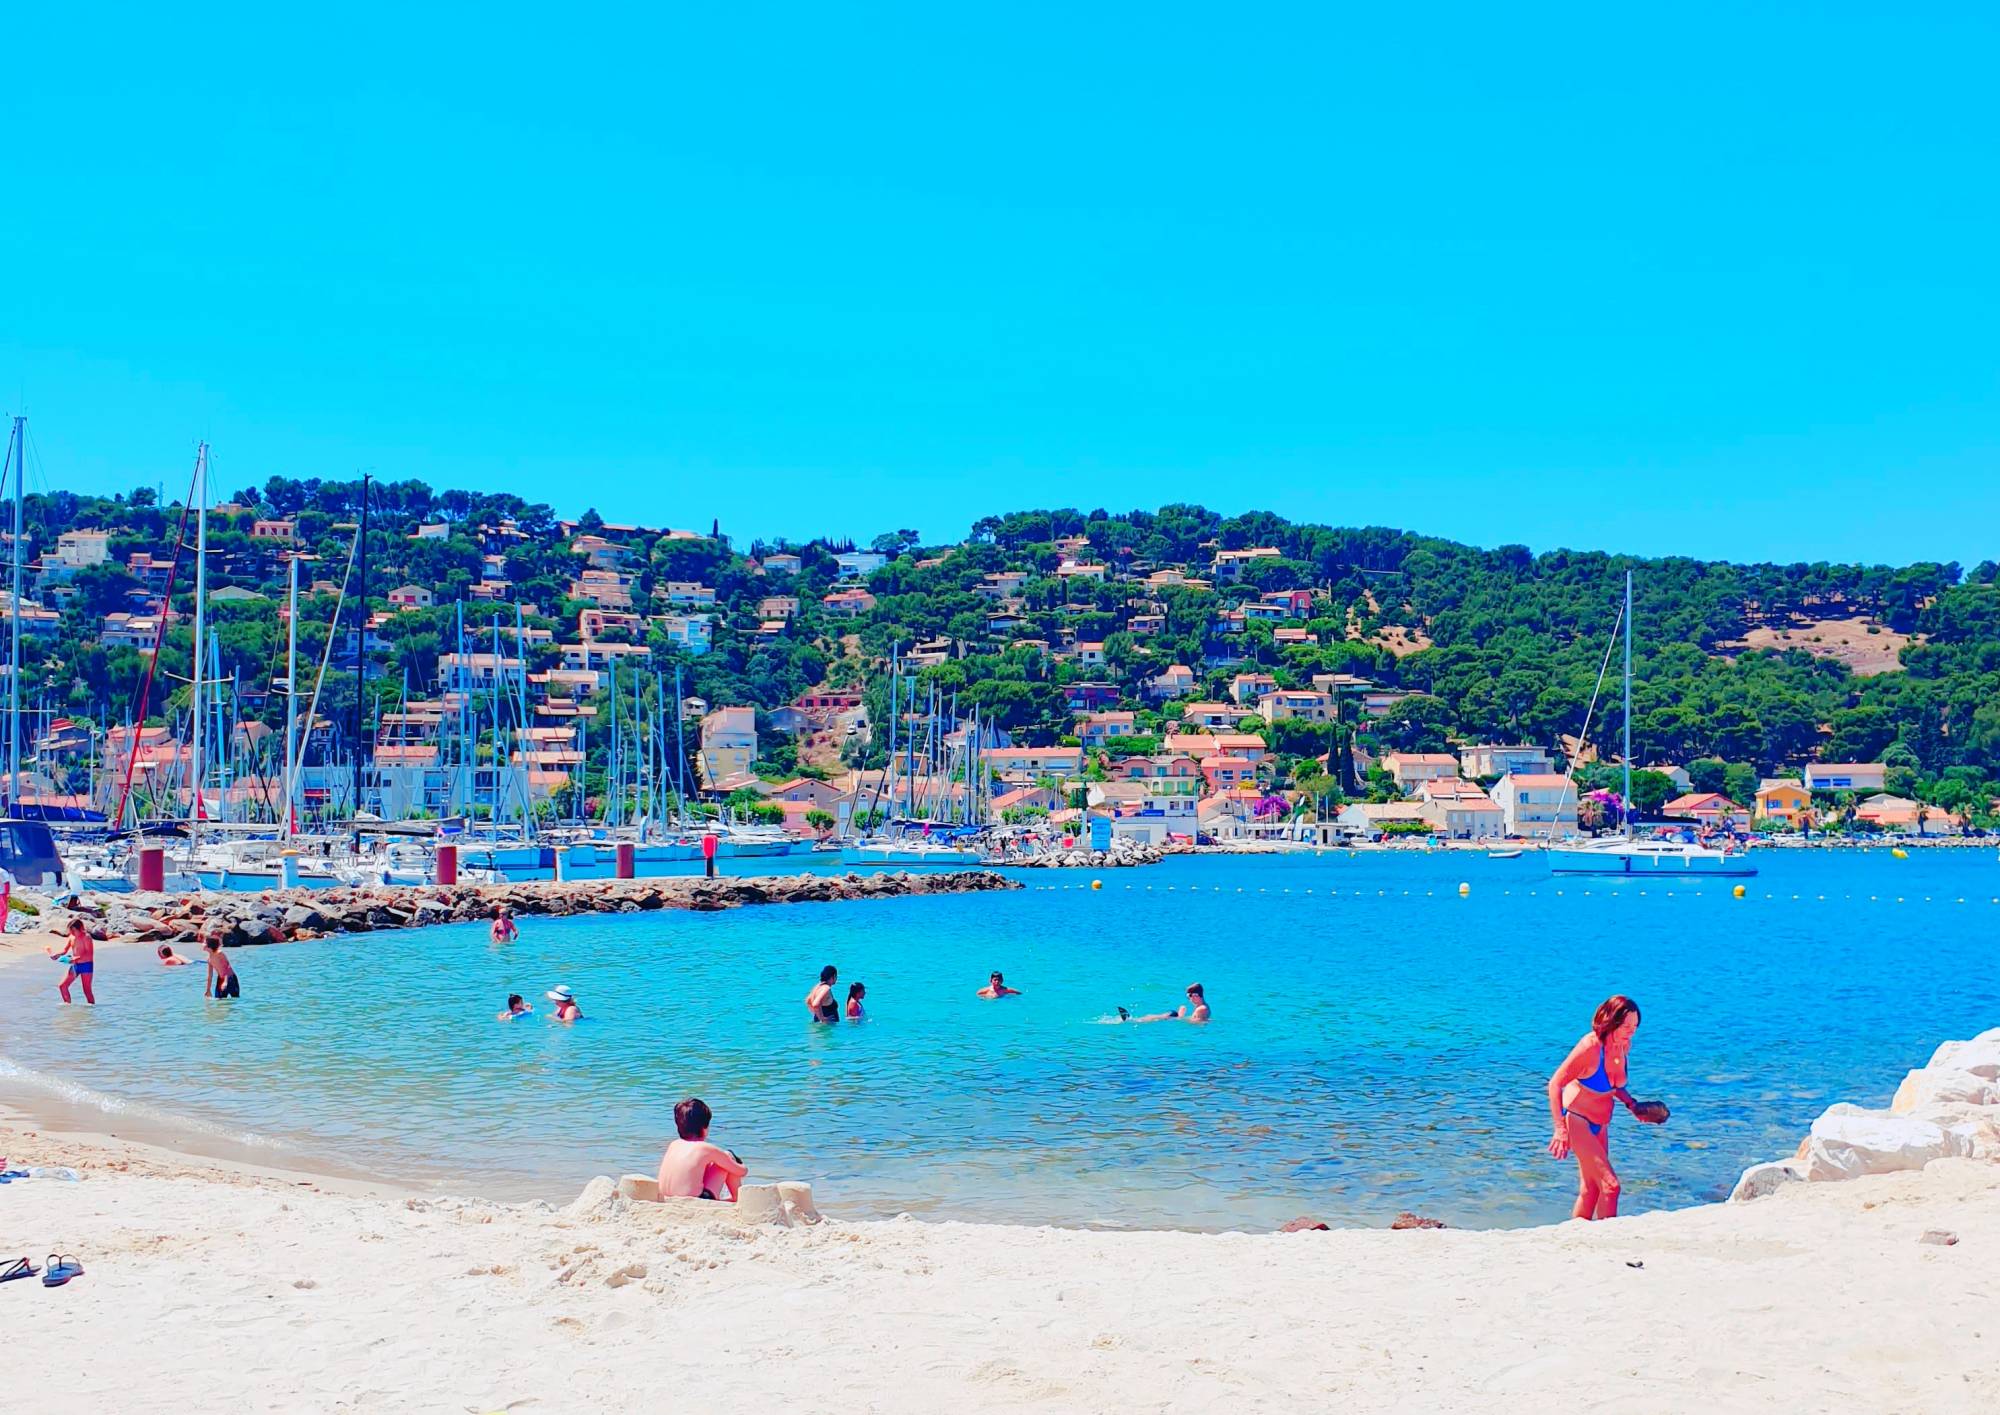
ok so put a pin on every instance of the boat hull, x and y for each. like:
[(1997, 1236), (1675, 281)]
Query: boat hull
[(1621, 864)]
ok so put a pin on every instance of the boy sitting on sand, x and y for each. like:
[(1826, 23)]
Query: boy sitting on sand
[(692, 1168)]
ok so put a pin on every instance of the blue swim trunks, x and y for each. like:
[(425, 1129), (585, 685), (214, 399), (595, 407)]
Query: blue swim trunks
[(83, 969)]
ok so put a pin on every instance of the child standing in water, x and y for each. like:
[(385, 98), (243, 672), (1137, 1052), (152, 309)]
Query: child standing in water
[(855, 992), (222, 980), (82, 950)]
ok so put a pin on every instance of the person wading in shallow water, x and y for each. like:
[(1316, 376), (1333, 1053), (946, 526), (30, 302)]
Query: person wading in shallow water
[(821, 1002), (82, 951), (1581, 1093), (221, 980)]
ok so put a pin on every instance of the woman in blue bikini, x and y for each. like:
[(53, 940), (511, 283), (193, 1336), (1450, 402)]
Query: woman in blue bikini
[(1580, 1097)]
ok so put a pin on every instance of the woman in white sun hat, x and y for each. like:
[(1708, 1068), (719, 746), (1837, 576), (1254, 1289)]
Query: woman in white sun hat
[(565, 1001)]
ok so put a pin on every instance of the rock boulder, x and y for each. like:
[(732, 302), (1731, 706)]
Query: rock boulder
[(1848, 1141)]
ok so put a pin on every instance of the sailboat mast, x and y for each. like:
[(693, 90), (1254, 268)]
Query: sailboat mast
[(360, 663), (291, 698), (20, 460), (197, 717), (1627, 796)]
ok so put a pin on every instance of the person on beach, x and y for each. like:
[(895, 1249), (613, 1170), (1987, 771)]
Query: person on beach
[(221, 981), (81, 951), (855, 992), (1195, 1011), (692, 1168), (171, 959), (515, 1008), (996, 986), (565, 1001), (504, 929), (821, 1002), (1580, 1096)]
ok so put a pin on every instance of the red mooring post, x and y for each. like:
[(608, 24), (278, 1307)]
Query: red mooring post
[(152, 869), (624, 859), (447, 864)]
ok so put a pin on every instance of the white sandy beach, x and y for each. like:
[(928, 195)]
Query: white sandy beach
[(209, 1289)]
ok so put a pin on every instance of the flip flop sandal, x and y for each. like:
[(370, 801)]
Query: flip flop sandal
[(17, 1269), (62, 1267)]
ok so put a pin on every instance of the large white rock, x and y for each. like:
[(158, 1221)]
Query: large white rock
[(1980, 1055), (1762, 1179), (1848, 1141), (1944, 1085)]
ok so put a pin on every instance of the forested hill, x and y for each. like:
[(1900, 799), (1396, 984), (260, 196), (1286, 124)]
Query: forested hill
[(1741, 662), (1766, 664)]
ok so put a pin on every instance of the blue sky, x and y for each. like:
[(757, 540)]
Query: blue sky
[(1690, 281)]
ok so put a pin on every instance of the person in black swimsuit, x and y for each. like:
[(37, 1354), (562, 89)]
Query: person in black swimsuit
[(821, 1001)]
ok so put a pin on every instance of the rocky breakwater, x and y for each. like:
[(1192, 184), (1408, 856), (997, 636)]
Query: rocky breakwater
[(280, 916), (1946, 1109), (1122, 853)]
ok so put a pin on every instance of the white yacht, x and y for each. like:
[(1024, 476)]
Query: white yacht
[(1621, 855)]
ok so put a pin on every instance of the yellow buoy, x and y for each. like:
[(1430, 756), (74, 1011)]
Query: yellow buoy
[(1738, 891), (1900, 853), (1097, 884)]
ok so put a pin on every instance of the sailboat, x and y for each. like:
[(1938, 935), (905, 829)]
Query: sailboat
[(1626, 854)]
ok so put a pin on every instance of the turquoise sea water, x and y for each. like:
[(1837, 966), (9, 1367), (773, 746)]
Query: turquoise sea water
[(1379, 1043)]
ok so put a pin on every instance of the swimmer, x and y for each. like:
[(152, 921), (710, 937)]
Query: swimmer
[(565, 1001), (855, 992), (1195, 1011), (504, 929), (1580, 1096), (171, 959), (996, 986), (692, 1168), (82, 953), (221, 981), (820, 1002), (515, 1008)]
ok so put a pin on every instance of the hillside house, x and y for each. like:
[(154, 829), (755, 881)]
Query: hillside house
[(1493, 759), (1846, 776), (1295, 704), (688, 595), (1094, 729), (1785, 803), (1229, 565), (1537, 805), (859, 564), (1246, 688), (1709, 809), (1170, 683), (1412, 769), (728, 744), (848, 604)]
